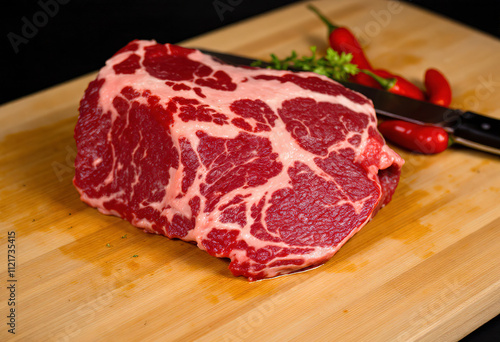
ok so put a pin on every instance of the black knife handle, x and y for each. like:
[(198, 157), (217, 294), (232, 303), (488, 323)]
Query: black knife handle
[(478, 131)]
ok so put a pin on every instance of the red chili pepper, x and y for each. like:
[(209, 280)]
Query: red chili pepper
[(364, 79), (396, 84), (418, 138), (438, 88), (384, 73), (342, 40)]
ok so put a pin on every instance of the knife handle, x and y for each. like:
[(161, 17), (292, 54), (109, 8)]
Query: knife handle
[(478, 131)]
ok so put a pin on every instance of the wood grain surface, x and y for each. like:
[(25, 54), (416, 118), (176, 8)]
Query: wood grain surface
[(426, 268)]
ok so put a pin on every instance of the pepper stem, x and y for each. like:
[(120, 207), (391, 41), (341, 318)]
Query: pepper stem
[(328, 23), (386, 83), (451, 140)]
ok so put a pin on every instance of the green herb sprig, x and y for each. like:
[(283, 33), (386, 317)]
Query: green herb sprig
[(334, 65)]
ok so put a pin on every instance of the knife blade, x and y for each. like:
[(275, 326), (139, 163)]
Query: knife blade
[(467, 128)]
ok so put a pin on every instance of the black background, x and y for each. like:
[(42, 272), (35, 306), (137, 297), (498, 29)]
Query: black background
[(81, 34), (77, 36)]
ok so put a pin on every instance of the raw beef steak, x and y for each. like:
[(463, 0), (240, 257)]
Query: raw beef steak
[(275, 170)]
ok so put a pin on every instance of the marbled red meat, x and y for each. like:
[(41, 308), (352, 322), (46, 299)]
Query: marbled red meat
[(274, 170)]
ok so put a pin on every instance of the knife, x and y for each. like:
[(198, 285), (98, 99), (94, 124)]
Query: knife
[(467, 128)]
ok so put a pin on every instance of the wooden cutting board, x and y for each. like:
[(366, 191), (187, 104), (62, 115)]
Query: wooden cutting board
[(426, 268)]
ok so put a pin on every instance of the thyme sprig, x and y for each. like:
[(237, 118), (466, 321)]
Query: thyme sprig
[(334, 65)]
